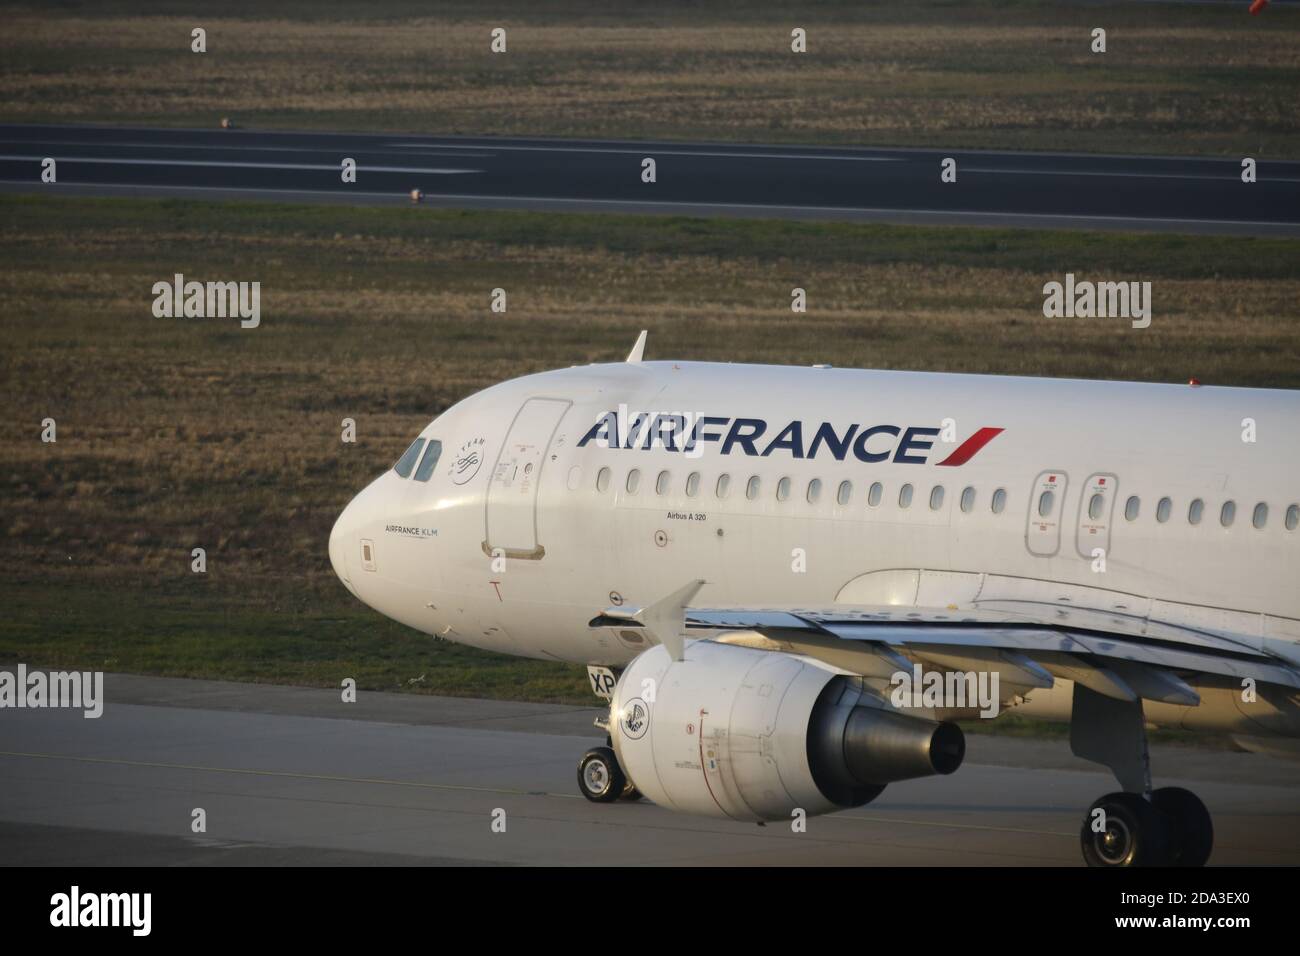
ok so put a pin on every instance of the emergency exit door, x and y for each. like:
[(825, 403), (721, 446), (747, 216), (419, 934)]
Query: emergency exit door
[(512, 489), (1043, 525), (1096, 505)]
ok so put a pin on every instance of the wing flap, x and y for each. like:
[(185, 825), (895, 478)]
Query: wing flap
[(1122, 664)]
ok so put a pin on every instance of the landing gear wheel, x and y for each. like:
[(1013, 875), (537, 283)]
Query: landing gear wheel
[(600, 778), (1133, 833), (1191, 832), (630, 793)]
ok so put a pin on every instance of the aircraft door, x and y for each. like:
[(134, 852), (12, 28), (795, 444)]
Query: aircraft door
[(1046, 501), (1095, 508), (511, 520)]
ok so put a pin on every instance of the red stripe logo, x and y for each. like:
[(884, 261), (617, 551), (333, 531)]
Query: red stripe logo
[(967, 449)]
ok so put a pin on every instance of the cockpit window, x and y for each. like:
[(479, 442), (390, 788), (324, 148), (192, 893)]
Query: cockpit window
[(429, 461), (407, 461)]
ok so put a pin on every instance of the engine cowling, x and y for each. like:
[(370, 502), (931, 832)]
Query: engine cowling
[(753, 735)]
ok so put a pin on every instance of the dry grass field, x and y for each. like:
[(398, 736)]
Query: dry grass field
[(176, 433), (984, 74)]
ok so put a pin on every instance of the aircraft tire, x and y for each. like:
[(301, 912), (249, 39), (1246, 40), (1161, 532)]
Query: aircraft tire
[(1133, 833), (1191, 831), (600, 779)]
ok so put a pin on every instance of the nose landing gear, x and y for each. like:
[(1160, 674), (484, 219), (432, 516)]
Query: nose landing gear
[(601, 779)]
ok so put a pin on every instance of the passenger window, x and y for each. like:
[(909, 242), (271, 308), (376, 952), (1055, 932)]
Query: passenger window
[(633, 480), (1045, 501), (999, 501), (692, 484), (661, 483), (1227, 513), (407, 461), (751, 489), (429, 461), (1131, 508), (1194, 511), (783, 489), (814, 491), (1095, 504), (845, 493), (873, 495), (602, 479), (724, 483), (936, 497), (1260, 517), (1292, 517), (967, 499), (905, 496), (1163, 509)]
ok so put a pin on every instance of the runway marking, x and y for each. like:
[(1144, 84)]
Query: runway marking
[(661, 149), (634, 203), (26, 133), (343, 193), (382, 781), (248, 148), (1230, 175), (221, 163)]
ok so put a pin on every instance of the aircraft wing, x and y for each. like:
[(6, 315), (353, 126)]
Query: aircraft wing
[(1120, 657)]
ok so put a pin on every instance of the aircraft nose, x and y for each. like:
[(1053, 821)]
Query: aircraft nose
[(340, 541)]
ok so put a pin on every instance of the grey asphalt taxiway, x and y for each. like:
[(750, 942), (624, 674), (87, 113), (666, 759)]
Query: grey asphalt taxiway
[(1057, 190), (295, 776)]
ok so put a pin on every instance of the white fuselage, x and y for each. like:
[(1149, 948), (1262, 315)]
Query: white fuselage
[(529, 525)]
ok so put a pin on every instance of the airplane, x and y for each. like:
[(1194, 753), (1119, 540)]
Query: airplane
[(750, 559)]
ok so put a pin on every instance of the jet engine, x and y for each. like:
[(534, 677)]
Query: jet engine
[(748, 734)]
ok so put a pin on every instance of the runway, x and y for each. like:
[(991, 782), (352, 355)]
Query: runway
[(1178, 194), (294, 776)]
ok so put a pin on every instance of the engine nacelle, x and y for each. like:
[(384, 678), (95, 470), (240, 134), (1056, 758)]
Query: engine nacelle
[(753, 735)]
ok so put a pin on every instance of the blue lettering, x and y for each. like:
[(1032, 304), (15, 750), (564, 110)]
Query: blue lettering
[(860, 446), (826, 433), (698, 433), (910, 441), (794, 442), (673, 424), (634, 430), (605, 429), (756, 427)]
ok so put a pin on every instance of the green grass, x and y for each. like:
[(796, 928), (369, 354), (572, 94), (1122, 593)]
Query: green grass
[(191, 630)]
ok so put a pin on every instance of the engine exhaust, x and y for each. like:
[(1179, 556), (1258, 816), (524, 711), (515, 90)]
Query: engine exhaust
[(856, 748)]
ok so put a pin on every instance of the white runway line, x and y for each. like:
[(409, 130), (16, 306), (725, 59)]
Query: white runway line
[(106, 161)]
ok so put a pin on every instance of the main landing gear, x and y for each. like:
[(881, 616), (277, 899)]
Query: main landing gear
[(602, 780), (1138, 826), (1172, 828)]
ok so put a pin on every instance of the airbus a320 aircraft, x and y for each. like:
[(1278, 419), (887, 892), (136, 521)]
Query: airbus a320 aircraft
[(753, 561)]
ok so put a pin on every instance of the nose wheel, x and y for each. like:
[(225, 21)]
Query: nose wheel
[(601, 779)]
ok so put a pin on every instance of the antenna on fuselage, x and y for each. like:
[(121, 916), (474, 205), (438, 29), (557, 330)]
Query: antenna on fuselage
[(638, 350)]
